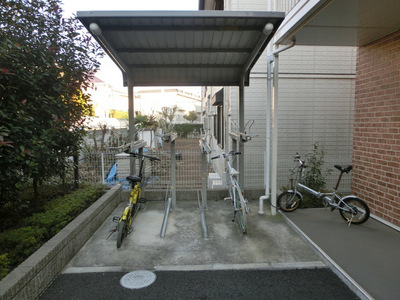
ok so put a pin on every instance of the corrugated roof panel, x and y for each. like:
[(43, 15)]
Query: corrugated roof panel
[(183, 48)]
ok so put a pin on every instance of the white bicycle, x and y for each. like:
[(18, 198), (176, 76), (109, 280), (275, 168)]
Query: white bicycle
[(351, 208), (236, 194)]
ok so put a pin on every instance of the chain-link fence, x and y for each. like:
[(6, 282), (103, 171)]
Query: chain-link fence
[(111, 167)]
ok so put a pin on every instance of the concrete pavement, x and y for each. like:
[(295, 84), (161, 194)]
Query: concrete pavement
[(367, 254), (269, 242), (272, 261)]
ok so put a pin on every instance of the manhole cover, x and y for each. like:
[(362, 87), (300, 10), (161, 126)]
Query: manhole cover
[(137, 279)]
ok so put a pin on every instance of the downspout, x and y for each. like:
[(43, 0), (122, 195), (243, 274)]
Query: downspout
[(271, 105), (241, 129)]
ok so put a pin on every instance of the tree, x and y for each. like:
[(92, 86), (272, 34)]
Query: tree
[(46, 64), (119, 114), (191, 116), (141, 119), (168, 113)]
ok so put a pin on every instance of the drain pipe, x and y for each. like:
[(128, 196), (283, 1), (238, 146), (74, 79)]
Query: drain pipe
[(268, 140), (267, 165)]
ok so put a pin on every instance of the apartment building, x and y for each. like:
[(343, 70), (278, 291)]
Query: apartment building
[(338, 86)]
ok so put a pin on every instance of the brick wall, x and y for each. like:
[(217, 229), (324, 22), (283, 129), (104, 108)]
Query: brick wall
[(376, 139)]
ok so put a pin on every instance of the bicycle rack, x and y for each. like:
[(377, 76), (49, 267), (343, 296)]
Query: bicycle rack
[(168, 201), (242, 136), (202, 213), (170, 138), (170, 197), (205, 150)]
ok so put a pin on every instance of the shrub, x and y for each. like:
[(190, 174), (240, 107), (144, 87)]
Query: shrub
[(4, 263), (314, 176), (18, 244), (184, 129)]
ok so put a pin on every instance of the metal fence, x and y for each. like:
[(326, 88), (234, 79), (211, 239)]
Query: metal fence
[(112, 167)]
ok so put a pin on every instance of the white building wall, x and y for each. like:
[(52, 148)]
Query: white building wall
[(316, 95)]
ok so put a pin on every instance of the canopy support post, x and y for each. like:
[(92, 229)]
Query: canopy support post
[(131, 112)]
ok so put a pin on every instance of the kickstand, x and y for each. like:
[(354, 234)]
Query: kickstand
[(111, 232), (349, 221)]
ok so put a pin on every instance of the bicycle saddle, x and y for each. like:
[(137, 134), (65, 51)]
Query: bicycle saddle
[(133, 179), (343, 169)]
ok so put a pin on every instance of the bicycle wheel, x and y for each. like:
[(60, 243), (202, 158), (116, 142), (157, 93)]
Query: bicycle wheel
[(121, 232), (241, 210), (355, 210), (288, 201)]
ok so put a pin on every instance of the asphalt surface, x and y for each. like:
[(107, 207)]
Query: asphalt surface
[(205, 285)]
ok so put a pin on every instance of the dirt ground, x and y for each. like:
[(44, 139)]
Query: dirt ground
[(186, 144), (188, 163)]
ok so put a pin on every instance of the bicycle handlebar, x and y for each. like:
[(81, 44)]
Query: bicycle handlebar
[(152, 158), (225, 155), (297, 158), (342, 169)]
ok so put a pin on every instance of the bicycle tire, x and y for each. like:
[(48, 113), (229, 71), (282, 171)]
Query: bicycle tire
[(241, 210), (288, 201), (360, 207), (121, 232)]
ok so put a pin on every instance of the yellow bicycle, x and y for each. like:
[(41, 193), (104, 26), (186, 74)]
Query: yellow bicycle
[(124, 226)]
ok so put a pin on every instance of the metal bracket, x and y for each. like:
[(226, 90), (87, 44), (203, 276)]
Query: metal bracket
[(169, 137)]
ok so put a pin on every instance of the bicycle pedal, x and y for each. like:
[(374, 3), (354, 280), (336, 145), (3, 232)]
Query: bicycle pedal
[(116, 219), (228, 199), (142, 200)]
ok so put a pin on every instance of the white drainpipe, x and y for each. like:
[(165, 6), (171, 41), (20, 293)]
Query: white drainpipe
[(271, 99)]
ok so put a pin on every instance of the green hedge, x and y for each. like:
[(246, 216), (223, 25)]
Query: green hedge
[(184, 129), (16, 245)]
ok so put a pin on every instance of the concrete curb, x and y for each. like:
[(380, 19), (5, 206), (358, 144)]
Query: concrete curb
[(184, 195), (33, 276)]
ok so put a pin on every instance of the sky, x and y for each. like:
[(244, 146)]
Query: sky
[(108, 71)]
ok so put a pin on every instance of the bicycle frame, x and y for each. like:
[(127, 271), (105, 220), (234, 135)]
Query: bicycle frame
[(135, 192), (235, 191), (230, 176), (351, 208), (124, 225), (328, 198)]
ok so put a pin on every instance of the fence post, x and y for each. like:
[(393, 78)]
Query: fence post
[(102, 168)]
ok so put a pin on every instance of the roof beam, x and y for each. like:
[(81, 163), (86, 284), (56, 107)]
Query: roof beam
[(184, 50), (186, 66), (135, 28)]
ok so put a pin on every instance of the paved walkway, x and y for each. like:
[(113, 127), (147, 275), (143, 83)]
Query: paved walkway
[(272, 261), (368, 253)]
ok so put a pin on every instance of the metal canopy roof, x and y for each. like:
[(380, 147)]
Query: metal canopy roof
[(339, 22), (186, 48)]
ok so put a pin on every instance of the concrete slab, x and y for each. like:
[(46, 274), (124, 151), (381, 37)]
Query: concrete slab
[(367, 253), (269, 243)]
